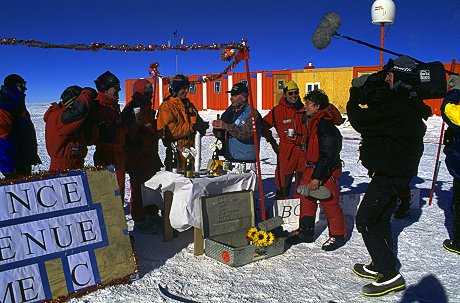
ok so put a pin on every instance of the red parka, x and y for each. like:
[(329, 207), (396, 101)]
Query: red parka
[(290, 158), (111, 142), (141, 149), (65, 134)]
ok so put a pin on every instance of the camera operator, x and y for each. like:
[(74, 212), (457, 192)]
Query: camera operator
[(392, 133)]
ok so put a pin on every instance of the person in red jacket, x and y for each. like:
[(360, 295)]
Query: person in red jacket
[(106, 114), (66, 139), (141, 150), (286, 118), (324, 167)]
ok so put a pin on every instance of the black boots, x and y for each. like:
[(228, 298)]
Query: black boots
[(451, 246), (385, 283), (404, 208), (306, 232), (333, 243), (365, 271)]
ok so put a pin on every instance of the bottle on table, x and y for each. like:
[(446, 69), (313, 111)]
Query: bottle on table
[(188, 171), (174, 163)]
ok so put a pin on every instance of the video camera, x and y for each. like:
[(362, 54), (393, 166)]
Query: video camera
[(429, 81)]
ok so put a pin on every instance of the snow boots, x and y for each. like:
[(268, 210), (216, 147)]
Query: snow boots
[(403, 209), (333, 243), (451, 246), (306, 232), (385, 283), (365, 271)]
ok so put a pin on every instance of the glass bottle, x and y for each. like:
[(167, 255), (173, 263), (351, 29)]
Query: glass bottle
[(219, 133), (188, 172), (174, 163)]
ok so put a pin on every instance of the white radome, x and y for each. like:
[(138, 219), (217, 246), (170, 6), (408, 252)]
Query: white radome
[(383, 11)]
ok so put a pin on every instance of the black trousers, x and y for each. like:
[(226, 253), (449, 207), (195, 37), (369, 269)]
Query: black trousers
[(373, 220), (456, 211)]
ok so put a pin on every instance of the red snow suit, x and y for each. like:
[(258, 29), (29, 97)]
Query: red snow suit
[(111, 141), (290, 158), (141, 149), (323, 163), (65, 135)]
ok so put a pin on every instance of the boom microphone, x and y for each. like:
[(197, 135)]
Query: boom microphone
[(326, 30)]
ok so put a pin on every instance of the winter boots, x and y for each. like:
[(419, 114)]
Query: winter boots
[(333, 243), (306, 232), (385, 283), (365, 271), (403, 209), (451, 246)]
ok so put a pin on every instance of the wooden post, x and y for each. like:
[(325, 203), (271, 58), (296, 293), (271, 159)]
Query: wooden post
[(198, 243)]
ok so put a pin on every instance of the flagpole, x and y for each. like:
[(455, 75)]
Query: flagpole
[(177, 59)]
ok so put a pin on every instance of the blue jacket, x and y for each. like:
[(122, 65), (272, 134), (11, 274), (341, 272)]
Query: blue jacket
[(18, 148), (240, 145), (450, 110)]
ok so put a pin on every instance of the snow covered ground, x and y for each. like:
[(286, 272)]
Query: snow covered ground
[(304, 273)]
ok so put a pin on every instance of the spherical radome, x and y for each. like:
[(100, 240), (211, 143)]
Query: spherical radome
[(383, 11)]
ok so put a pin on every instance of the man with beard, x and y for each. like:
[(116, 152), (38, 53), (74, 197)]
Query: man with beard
[(392, 131), (236, 121)]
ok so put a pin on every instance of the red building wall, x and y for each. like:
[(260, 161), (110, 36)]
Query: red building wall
[(217, 99)]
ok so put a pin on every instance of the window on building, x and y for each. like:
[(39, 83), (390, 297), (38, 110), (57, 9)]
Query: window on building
[(280, 84), (217, 88), (312, 86), (245, 82), (192, 88)]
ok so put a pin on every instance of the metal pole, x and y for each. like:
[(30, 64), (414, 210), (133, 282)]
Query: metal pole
[(256, 139), (438, 163), (382, 42)]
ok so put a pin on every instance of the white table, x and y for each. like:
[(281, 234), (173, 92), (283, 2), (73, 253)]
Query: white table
[(179, 197)]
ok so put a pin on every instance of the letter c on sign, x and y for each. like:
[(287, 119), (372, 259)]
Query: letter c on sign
[(74, 278)]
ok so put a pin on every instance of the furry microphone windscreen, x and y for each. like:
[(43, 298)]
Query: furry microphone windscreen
[(326, 30)]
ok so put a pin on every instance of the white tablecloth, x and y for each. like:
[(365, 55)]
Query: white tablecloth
[(185, 210)]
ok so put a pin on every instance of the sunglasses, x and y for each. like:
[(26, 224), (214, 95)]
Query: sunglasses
[(293, 93), (23, 85)]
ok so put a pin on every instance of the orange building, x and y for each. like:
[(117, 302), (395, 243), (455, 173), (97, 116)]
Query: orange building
[(267, 86)]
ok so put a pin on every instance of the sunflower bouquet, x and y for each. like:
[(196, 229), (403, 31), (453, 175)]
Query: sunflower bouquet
[(260, 237)]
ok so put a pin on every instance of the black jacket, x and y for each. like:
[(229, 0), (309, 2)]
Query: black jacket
[(330, 145), (392, 130)]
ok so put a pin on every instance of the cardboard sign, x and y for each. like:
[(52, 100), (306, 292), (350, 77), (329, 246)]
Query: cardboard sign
[(289, 209), (54, 236)]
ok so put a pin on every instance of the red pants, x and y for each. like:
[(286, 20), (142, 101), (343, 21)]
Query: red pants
[(290, 161), (331, 207)]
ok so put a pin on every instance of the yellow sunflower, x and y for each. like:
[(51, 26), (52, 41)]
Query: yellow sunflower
[(260, 238), (271, 239), (251, 232)]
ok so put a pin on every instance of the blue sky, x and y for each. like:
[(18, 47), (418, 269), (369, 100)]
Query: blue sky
[(278, 33)]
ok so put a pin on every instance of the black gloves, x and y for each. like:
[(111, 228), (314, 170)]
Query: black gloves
[(200, 126)]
